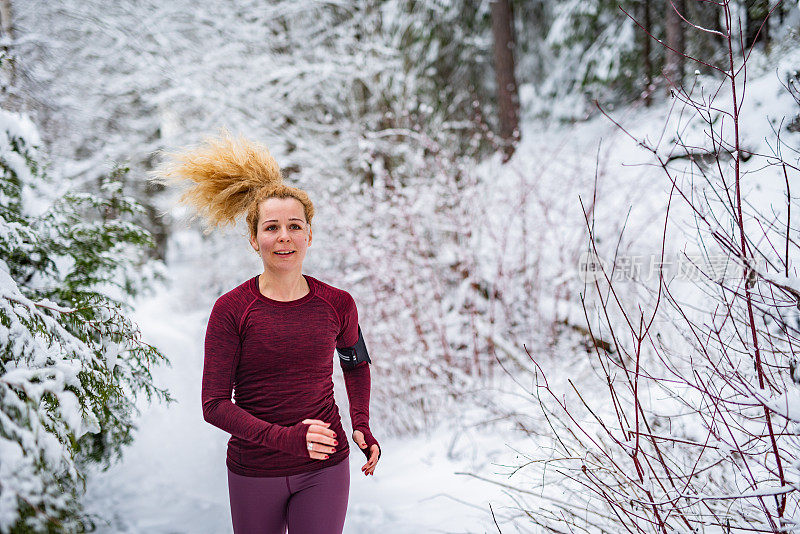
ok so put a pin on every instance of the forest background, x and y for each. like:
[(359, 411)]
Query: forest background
[(530, 202)]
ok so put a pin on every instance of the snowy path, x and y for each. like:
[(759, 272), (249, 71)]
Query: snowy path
[(173, 478)]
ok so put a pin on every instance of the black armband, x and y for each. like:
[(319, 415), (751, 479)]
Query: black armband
[(350, 357)]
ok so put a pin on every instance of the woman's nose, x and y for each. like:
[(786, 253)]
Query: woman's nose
[(283, 235)]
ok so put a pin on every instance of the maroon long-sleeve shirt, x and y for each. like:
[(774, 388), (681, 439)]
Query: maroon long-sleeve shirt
[(277, 359)]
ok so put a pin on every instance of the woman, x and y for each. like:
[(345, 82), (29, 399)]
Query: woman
[(270, 341)]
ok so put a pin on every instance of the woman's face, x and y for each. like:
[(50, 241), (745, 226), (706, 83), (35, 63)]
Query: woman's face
[(283, 234)]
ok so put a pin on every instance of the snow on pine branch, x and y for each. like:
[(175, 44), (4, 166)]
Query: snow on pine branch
[(68, 354)]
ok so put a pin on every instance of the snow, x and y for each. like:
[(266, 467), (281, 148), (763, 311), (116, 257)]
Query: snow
[(762, 492), (20, 126), (786, 405)]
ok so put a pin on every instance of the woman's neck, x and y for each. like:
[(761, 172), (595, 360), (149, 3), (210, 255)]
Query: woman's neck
[(283, 287)]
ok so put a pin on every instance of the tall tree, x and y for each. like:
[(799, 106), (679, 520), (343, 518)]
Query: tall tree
[(756, 15), (507, 94), (647, 62), (675, 61), (6, 57)]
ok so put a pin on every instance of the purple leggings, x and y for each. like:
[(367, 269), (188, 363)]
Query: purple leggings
[(308, 503)]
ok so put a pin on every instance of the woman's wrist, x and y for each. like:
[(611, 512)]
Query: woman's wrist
[(297, 441), (369, 439)]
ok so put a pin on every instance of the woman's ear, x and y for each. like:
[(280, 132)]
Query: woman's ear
[(254, 243), (309, 235)]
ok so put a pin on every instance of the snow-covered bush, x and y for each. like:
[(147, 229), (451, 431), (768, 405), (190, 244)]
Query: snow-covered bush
[(71, 362), (457, 265)]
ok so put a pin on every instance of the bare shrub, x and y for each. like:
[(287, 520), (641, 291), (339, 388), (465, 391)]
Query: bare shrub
[(699, 426)]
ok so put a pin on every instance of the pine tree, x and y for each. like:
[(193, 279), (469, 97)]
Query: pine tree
[(71, 362)]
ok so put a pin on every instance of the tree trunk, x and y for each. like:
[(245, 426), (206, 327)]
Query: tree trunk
[(507, 95), (647, 62), (675, 61), (5, 19), (757, 11), (7, 34)]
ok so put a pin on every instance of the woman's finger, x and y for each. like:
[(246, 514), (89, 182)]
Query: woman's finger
[(321, 430), (368, 470), (320, 440), (319, 452), (315, 422), (369, 467), (326, 437), (320, 443)]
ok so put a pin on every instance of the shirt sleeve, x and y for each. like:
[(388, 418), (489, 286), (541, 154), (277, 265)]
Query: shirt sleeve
[(357, 380), (222, 347), (357, 383), (348, 329)]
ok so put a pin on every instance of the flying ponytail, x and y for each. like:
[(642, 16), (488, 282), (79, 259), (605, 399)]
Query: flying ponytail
[(228, 176)]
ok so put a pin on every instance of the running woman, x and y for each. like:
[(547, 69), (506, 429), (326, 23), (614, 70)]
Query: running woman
[(269, 346)]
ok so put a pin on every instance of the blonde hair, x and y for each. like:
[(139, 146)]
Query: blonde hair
[(229, 176)]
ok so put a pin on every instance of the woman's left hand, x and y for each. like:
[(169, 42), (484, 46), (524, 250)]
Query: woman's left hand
[(369, 467)]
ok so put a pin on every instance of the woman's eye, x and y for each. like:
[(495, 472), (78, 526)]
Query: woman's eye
[(296, 227), (270, 228)]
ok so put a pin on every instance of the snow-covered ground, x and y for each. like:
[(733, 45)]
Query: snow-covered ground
[(173, 477)]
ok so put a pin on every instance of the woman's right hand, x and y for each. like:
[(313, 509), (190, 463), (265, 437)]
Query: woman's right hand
[(320, 440)]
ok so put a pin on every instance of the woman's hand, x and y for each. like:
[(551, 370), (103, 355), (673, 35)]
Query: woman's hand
[(320, 440), (369, 467)]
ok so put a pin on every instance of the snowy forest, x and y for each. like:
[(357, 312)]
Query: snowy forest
[(567, 226)]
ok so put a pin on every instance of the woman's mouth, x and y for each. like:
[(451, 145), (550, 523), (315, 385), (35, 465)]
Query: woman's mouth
[(285, 253)]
